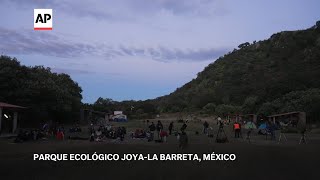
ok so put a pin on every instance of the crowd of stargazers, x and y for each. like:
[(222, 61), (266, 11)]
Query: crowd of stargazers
[(154, 131)]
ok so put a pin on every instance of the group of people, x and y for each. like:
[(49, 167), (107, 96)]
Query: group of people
[(107, 131), (43, 132), (163, 134), (29, 135), (269, 130), (221, 123), (57, 130)]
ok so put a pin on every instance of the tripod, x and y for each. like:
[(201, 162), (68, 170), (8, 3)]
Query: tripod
[(249, 136), (280, 136), (220, 133), (210, 132), (303, 138)]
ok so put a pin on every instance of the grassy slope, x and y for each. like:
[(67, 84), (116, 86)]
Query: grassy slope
[(286, 62)]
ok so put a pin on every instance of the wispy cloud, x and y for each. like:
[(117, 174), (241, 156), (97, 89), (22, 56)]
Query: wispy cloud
[(82, 70), (181, 7), (114, 10), (17, 42), (28, 42), (174, 54), (70, 71), (80, 8)]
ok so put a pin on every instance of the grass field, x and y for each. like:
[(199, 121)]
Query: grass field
[(260, 159)]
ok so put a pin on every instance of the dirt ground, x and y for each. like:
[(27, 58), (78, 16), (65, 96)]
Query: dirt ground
[(260, 159)]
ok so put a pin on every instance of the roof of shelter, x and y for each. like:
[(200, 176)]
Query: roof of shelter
[(284, 114), (6, 105)]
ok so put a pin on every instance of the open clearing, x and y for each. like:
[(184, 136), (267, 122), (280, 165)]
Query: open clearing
[(262, 159)]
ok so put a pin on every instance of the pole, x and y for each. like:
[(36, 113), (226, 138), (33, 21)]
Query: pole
[(15, 122), (0, 118)]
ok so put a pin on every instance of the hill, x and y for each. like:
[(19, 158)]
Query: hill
[(247, 79)]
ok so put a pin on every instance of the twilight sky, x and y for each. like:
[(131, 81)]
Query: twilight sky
[(141, 49)]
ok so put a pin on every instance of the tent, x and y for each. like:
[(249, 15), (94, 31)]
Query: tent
[(119, 118), (250, 125), (263, 126)]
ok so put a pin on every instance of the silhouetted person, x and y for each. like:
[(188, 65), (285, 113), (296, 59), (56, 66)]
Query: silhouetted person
[(219, 120), (271, 129), (184, 127), (148, 122), (120, 133), (91, 137), (159, 128), (183, 140), (170, 128), (152, 128), (205, 127)]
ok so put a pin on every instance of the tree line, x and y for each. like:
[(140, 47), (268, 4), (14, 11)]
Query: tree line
[(47, 95)]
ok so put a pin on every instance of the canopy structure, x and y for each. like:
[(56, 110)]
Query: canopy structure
[(250, 125), (15, 115), (250, 117), (86, 115), (242, 117), (263, 126), (297, 119)]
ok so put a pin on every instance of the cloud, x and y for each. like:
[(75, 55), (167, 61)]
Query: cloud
[(165, 54), (174, 54), (80, 8), (30, 42), (26, 42), (127, 10), (180, 7), (70, 71), (83, 70)]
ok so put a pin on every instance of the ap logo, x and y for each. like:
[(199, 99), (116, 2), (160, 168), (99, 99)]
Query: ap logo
[(42, 19)]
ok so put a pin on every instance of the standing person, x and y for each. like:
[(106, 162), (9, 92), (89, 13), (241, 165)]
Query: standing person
[(183, 140), (170, 127), (219, 120), (249, 135), (205, 127), (91, 128), (184, 127), (148, 122), (120, 133), (92, 137), (237, 129), (270, 130), (159, 128), (60, 134), (149, 136), (152, 128), (163, 136)]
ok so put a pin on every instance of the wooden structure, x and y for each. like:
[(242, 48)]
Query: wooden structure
[(233, 117), (249, 117), (297, 118), (86, 115), (12, 108), (242, 117)]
